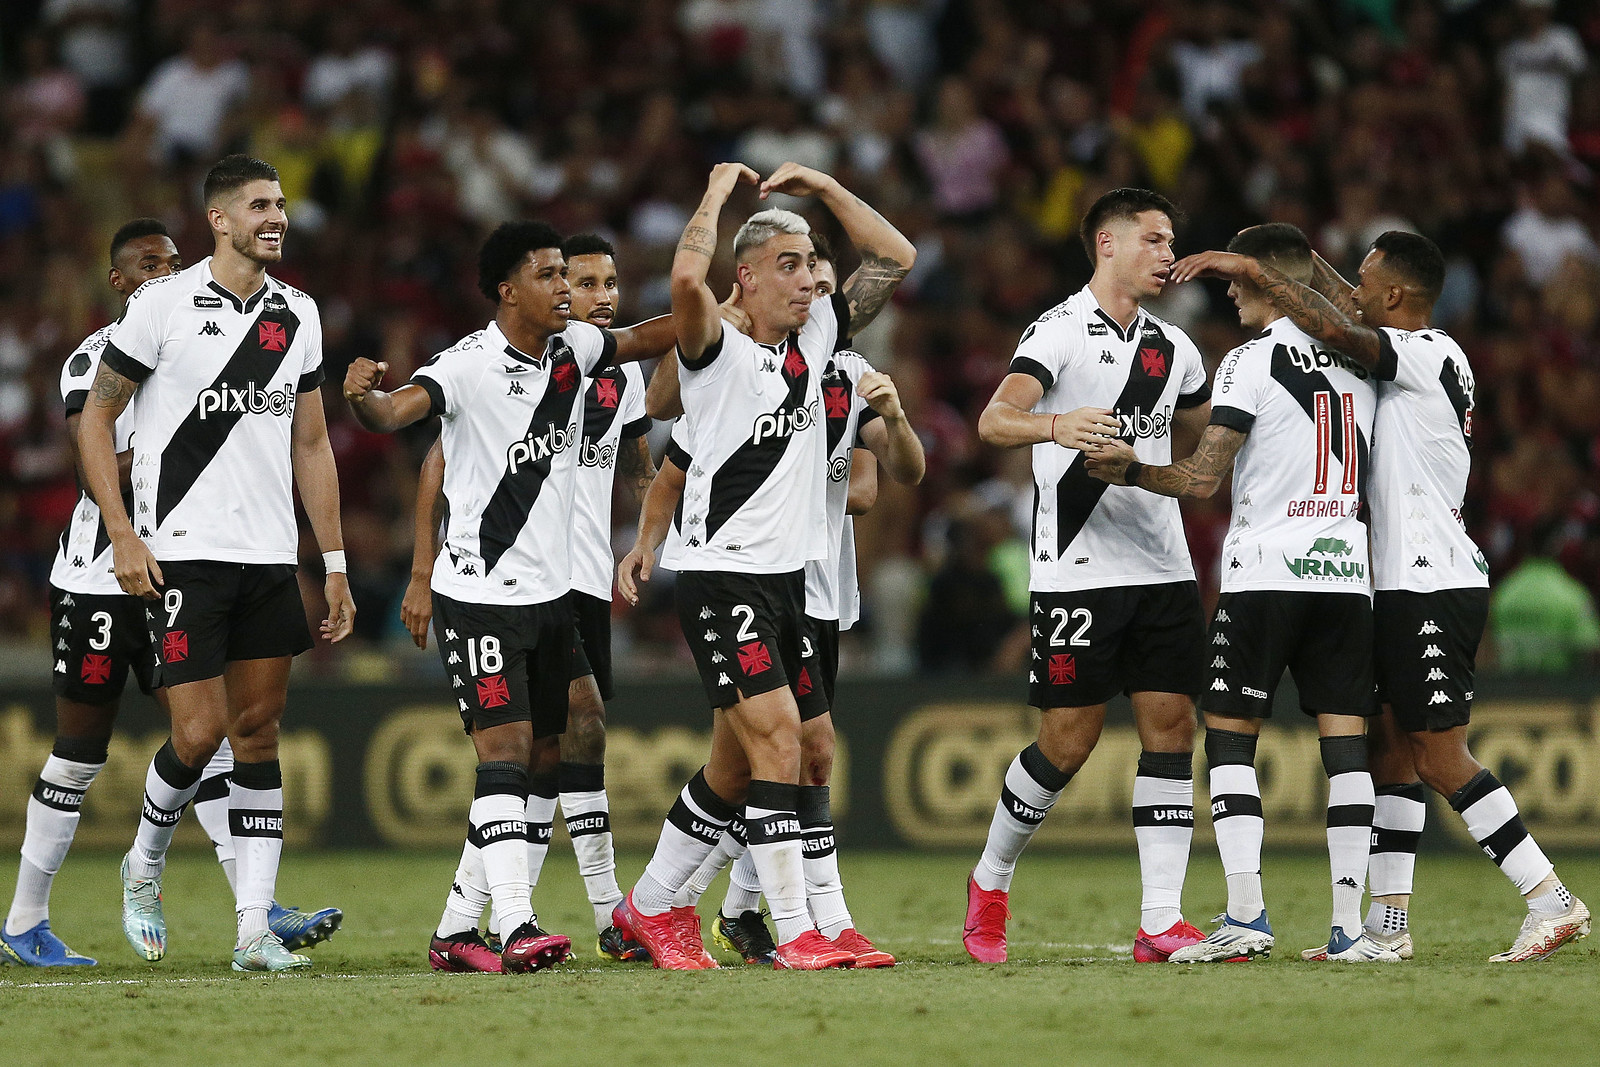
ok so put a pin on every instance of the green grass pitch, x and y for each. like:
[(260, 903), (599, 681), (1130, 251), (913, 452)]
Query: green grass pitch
[(1071, 993)]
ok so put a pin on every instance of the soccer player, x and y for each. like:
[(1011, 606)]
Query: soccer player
[(1295, 591), (832, 605), (101, 635), (1115, 606), (1432, 581), (614, 425), (510, 396), (754, 512), (226, 363)]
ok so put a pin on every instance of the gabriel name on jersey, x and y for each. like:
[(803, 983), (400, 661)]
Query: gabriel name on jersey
[(755, 493), (1087, 534), (511, 435), (83, 561), (210, 430), (1421, 456), (613, 412), (1299, 476)]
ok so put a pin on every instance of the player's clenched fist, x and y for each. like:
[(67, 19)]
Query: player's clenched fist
[(878, 390), (1085, 429), (362, 377)]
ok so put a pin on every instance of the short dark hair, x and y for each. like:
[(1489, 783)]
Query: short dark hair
[(230, 172), (1415, 258), (1122, 204), (132, 231), (1277, 244), (823, 247), (506, 248), (587, 244)]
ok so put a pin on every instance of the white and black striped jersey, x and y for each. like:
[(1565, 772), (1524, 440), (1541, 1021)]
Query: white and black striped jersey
[(83, 558), (1087, 534), (754, 498), (613, 415), (1299, 477), (832, 591), (1420, 461), (212, 464), (511, 435)]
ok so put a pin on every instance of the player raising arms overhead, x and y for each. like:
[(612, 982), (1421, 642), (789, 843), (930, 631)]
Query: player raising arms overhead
[(1295, 591), (510, 396), (226, 363), (754, 512), (1432, 582), (1115, 607)]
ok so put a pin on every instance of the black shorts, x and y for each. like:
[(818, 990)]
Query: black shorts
[(211, 614), (1323, 639), (819, 667), (1425, 651), (97, 639), (1092, 644), (592, 617), (509, 662), (744, 631)]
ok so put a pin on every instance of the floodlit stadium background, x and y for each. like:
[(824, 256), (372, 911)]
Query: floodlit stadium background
[(405, 130)]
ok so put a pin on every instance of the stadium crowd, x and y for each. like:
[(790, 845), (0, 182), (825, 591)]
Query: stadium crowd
[(404, 131)]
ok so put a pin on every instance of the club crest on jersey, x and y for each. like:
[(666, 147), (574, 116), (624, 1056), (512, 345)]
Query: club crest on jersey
[(1137, 423), (95, 669), (605, 391), (794, 363), (251, 400), (532, 449), (566, 376), (272, 336), (836, 401), (1331, 566), (782, 423), (1154, 362)]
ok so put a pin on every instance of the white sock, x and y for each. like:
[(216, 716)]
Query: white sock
[(1553, 902), (255, 818), (824, 887), (744, 885), (692, 829), (1349, 843), (469, 894), (1236, 818), (730, 847), (211, 808), (499, 828), (169, 785), (1385, 918), (1492, 820), (1163, 826), (774, 828), (1032, 784), (587, 811), (541, 814), (52, 820), (1398, 815)]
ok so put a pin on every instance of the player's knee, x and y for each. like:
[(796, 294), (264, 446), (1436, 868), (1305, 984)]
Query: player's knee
[(546, 757), (817, 743), (1067, 743)]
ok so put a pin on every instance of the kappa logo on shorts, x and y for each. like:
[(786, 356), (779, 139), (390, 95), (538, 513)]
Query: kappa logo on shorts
[(1219, 686), (803, 686), (1432, 652), (1428, 628), (61, 666), (1436, 675), (1439, 697), (1219, 664), (707, 613), (723, 679), (1222, 615), (1220, 639), (492, 691), (718, 657), (175, 646), (1063, 669), (1257, 693), (96, 669), (754, 658)]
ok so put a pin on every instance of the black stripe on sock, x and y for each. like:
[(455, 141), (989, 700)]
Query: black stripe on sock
[(774, 828), (738, 830), (544, 785), (1349, 815), (1410, 791), (59, 797), (255, 822), (817, 842), (684, 819), (213, 788), (1164, 815), (1498, 845), (1050, 777), (540, 833), (174, 771), (588, 824), (1385, 839), (1173, 766), (1026, 814), (581, 777), (490, 833), (1482, 784), (267, 774), (90, 750), (498, 777), (1228, 805), (160, 816), (701, 793)]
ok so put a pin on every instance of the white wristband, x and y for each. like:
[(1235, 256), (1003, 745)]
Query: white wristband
[(333, 562)]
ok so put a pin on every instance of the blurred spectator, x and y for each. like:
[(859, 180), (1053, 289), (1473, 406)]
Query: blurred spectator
[(1545, 233), (962, 153), (97, 45), (1543, 620), (183, 111), (1539, 66)]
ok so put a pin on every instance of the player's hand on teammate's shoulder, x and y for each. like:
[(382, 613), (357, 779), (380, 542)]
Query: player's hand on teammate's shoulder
[(733, 312), (795, 180), (640, 560), (1229, 265), (341, 608), (1085, 429), (1110, 462), (880, 392), (416, 609), (362, 377)]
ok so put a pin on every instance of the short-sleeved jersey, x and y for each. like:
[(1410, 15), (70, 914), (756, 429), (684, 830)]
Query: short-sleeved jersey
[(613, 416), (83, 558), (1299, 477), (1087, 534), (218, 379), (755, 494), (511, 435), (1420, 462), (831, 588)]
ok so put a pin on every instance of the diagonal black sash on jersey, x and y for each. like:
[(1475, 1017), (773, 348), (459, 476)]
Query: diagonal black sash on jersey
[(1077, 494), (1304, 386), (601, 402), (1450, 378), (513, 499), (748, 468), (240, 388), (836, 389)]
